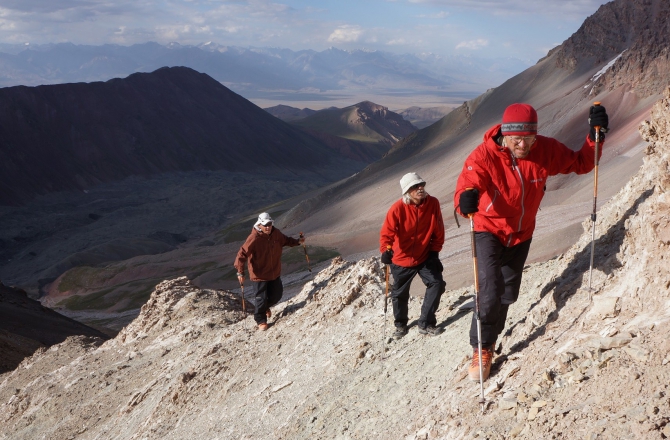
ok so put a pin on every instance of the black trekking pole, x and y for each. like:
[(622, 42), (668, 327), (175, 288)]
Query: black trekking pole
[(386, 303), (595, 198), (304, 247), (482, 401)]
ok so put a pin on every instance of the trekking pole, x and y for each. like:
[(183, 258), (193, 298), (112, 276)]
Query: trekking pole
[(386, 303), (244, 303), (595, 198), (482, 401), (304, 247)]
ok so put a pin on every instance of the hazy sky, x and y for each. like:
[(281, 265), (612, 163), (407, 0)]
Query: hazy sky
[(510, 28)]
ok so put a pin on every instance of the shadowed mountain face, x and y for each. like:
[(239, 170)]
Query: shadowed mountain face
[(73, 136), (26, 325)]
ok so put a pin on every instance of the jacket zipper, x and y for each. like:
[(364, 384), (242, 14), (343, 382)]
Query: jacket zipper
[(523, 194), (495, 196), (272, 259)]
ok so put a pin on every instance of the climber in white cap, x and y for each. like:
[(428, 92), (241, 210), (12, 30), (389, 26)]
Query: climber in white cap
[(410, 242)]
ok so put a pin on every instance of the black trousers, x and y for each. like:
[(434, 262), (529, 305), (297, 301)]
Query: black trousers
[(500, 269), (268, 293), (430, 272)]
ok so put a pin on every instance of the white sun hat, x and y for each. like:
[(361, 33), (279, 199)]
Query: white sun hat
[(264, 218), (409, 180)]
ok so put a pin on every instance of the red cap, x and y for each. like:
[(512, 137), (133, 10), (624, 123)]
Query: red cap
[(519, 120)]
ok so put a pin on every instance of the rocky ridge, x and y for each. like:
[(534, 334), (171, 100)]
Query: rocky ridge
[(635, 34), (572, 364), (364, 121)]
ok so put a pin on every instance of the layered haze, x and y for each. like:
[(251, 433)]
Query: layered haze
[(272, 76)]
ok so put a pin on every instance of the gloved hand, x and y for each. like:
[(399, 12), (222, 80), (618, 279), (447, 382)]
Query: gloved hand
[(387, 256), (598, 117), (469, 201)]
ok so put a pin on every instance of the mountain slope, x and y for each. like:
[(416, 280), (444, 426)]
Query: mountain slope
[(191, 365), (348, 216), (73, 136)]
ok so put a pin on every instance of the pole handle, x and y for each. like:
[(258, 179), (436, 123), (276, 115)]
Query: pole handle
[(304, 247)]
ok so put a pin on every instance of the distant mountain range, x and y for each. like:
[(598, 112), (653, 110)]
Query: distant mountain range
[(267, 73), (420, 117), (287, 113)]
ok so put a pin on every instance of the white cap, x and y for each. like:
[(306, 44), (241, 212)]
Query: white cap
[(263, 219), (409, 180)]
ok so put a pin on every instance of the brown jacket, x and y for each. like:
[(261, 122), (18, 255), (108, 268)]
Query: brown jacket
[(263, 252)]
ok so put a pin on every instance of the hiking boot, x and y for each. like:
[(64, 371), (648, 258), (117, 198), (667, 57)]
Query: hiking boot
[(263, 326), (430, 330), (268, 313), (487, 360), (400, 331)]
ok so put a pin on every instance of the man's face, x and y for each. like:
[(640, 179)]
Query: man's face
[(417, 193), (519, 145), (266, 229)]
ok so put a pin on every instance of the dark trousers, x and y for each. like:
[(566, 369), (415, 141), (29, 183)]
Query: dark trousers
[(268, 293), (430, 272), (500, 270)]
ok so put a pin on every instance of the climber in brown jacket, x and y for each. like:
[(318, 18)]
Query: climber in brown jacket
[(262, 250)]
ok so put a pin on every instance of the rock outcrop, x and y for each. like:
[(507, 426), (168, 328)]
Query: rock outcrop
[(634, 32)]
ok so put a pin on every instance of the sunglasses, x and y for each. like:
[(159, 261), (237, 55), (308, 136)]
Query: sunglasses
[(516, 140), (417, 186), (267, 225)]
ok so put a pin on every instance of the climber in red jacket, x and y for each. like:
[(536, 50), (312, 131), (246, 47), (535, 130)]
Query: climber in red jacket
[(410, 242), (502, 184)]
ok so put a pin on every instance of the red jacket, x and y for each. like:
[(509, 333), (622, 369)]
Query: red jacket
[(263, 251), (510, 189), (413, 231)]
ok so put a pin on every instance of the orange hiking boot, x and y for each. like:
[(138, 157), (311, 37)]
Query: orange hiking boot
[(262, 326), (487, 360)]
